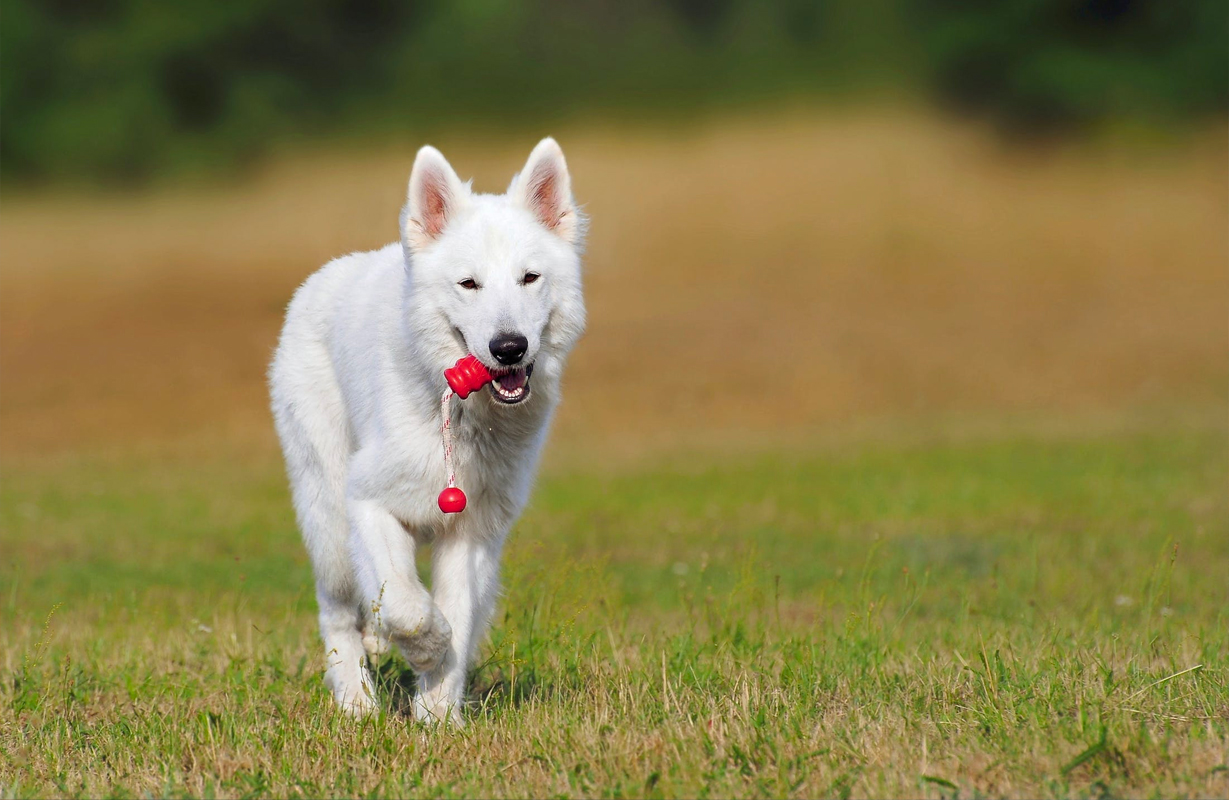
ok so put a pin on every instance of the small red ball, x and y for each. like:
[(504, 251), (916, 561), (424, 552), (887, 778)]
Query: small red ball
[(452, 500)]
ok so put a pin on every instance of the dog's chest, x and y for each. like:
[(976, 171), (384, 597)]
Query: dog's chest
[(494, 465), (496, 461)]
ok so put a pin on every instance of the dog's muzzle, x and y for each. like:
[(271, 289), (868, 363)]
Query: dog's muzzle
[(511, 386)]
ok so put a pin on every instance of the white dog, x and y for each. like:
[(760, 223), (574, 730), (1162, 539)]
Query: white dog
[(356, 385)]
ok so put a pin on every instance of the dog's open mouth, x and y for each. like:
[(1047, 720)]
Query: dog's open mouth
[(511, 386)]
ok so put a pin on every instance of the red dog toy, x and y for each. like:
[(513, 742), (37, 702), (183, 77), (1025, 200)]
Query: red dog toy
[(464, 378), (467, 376)]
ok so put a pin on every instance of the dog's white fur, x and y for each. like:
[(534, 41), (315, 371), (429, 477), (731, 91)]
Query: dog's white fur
[(356, 384)]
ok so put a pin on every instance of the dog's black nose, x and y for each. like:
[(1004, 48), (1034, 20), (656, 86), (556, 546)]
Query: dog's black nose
[(509, 348)]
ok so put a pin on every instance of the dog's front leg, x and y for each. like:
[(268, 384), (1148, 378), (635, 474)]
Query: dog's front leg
[(465, 579), (398, 604)]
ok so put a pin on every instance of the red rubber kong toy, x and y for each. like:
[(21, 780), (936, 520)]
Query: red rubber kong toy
[(452, 500), (467, 375)]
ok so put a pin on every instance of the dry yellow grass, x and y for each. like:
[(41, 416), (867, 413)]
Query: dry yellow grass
[(752, 275)]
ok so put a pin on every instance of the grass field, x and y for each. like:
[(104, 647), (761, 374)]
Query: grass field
[(948, 517), (1027, 615)]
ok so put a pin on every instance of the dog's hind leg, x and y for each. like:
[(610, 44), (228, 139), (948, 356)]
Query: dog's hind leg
[(341, 618), (308, 412), (323, 520), (347, 675)]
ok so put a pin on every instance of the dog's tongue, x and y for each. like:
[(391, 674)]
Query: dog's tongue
[(512, 381)]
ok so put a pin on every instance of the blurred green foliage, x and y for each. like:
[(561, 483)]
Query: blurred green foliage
[(125, 89), (1042, 64)]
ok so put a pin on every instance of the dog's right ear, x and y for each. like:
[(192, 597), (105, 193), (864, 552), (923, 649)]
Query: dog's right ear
[(436, 194), (544, 188)]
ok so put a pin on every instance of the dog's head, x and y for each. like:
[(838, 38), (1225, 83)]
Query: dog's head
[(497, 276)]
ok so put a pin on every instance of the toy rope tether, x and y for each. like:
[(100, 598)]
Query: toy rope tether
[(465, 377)]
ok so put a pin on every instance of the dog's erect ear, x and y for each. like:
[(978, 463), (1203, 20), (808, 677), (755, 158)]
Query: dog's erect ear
[(545, 189), (436, 194)]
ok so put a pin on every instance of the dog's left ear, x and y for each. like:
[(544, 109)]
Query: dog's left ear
[(544, 188), (435, 197)]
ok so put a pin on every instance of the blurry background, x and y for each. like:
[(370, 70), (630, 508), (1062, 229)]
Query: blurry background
[(807, 216), (115, 90)]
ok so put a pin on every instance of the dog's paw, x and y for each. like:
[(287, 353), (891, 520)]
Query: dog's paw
[(426, 644), (352, 689), (357, 705), (434, 708)]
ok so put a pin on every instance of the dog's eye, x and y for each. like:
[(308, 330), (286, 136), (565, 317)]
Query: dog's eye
[(469, 283), (530, 277)]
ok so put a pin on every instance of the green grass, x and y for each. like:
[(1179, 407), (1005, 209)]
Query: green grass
[(1020, 615)]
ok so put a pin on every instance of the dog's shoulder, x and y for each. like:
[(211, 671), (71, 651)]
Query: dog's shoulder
[(347, 276)]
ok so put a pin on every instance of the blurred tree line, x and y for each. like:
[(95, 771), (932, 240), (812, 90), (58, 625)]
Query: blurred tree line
[(125, 89)]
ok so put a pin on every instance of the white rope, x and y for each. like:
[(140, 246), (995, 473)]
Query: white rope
[(446, 434)]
